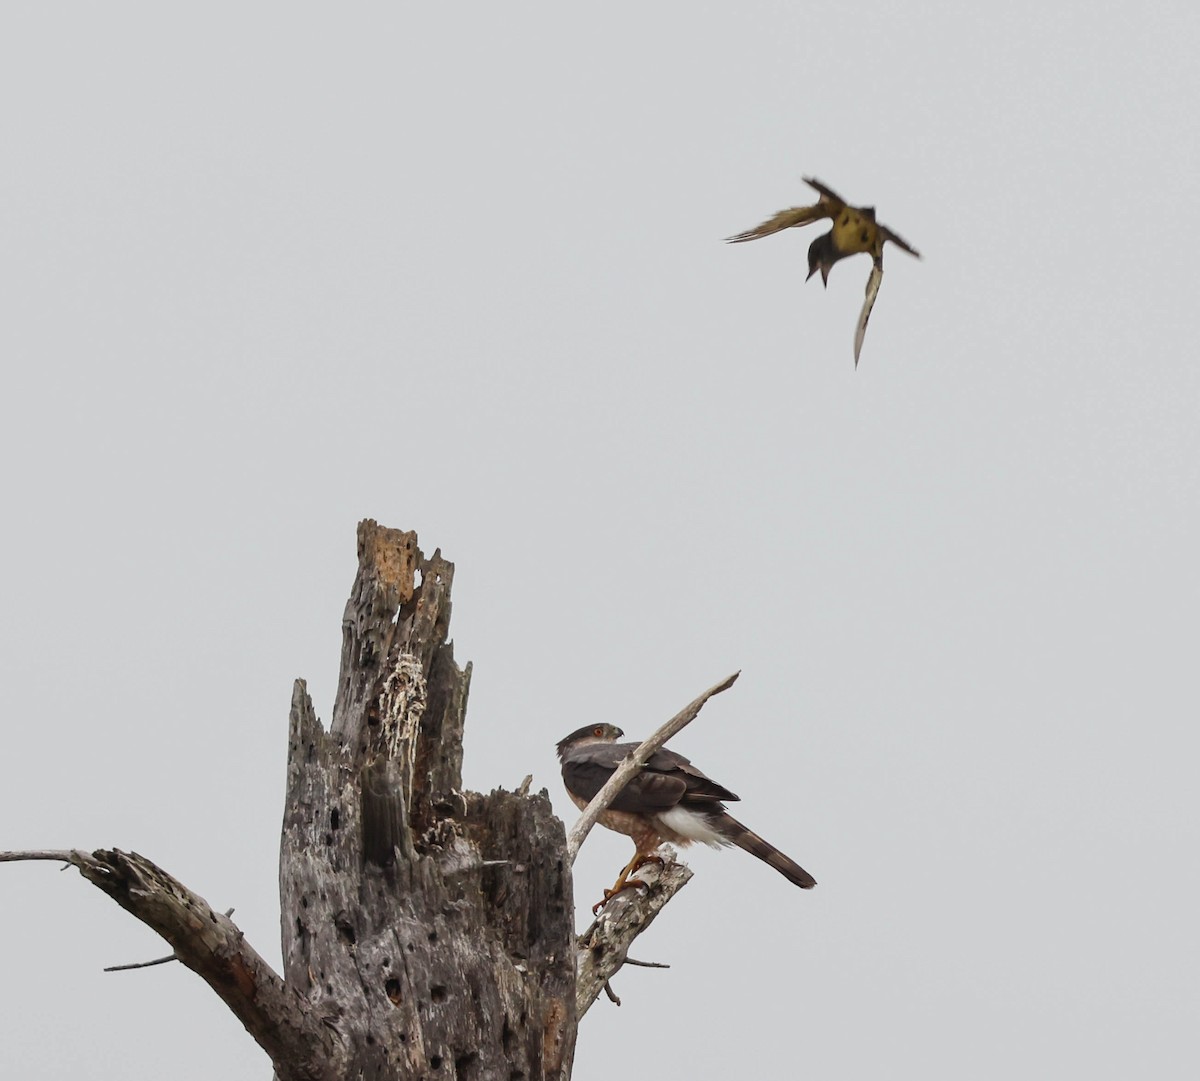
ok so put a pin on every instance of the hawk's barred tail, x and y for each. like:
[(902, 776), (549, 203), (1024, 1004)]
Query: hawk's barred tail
[(751, 842)]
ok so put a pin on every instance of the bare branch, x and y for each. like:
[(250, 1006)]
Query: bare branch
[(173, 957), (147, 964), (634, 762), (603, 948), (301, 1046)]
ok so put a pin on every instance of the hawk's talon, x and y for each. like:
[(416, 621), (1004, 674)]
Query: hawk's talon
[(641, 862), (621, 887)]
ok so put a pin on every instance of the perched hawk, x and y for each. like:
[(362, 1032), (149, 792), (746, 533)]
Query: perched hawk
[(854, 230), (669, 800)]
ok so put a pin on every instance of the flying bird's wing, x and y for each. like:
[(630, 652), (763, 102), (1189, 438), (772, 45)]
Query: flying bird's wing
[(899, 241), (828, 206), (873, 283), (827, 193), (854, 230), (785, 219)]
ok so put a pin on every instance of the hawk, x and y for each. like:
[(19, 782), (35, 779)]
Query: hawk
[(668, 800), (854, 230)]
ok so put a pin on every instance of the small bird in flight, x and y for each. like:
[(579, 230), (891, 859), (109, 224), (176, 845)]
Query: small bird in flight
[(854, 230), (669, 799)]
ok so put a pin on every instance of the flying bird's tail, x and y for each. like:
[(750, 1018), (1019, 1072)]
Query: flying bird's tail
[(751, 842)]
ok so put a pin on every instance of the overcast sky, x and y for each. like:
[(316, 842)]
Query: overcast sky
[(270, 269)]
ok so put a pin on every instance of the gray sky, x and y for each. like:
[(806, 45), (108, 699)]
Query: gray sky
[(271, 269)]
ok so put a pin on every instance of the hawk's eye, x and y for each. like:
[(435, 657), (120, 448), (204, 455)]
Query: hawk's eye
[(597, 731)]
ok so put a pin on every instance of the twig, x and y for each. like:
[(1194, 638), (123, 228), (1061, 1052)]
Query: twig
[(625, 771), (162, 960), (612, 995), (645, 964), (141, 964), (60, 855)]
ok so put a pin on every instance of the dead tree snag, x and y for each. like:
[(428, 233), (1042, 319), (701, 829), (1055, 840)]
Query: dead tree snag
[(427, 932)]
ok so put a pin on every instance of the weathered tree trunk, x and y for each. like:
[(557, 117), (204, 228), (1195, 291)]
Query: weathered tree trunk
[(427, 932), (430, 929)]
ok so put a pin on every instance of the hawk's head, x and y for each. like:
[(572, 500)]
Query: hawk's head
[(589, 733)]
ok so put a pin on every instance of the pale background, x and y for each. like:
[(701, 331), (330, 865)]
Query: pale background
[(269, 269)]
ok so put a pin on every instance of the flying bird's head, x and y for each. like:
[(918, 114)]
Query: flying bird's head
[(821, 256), (589, 733)]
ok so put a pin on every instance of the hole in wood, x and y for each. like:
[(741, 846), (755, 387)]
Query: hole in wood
[(392, 989), (435, 1062), (334, 819), (438, 993)]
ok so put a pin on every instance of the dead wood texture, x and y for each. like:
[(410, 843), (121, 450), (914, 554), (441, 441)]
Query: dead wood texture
[(427, 932), (301, 1047), (431, 929)]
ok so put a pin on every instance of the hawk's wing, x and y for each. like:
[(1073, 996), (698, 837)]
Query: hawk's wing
[(873, 283), (666, 780)]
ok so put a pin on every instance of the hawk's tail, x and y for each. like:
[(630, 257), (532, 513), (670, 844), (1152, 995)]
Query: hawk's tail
[(751, 842)]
